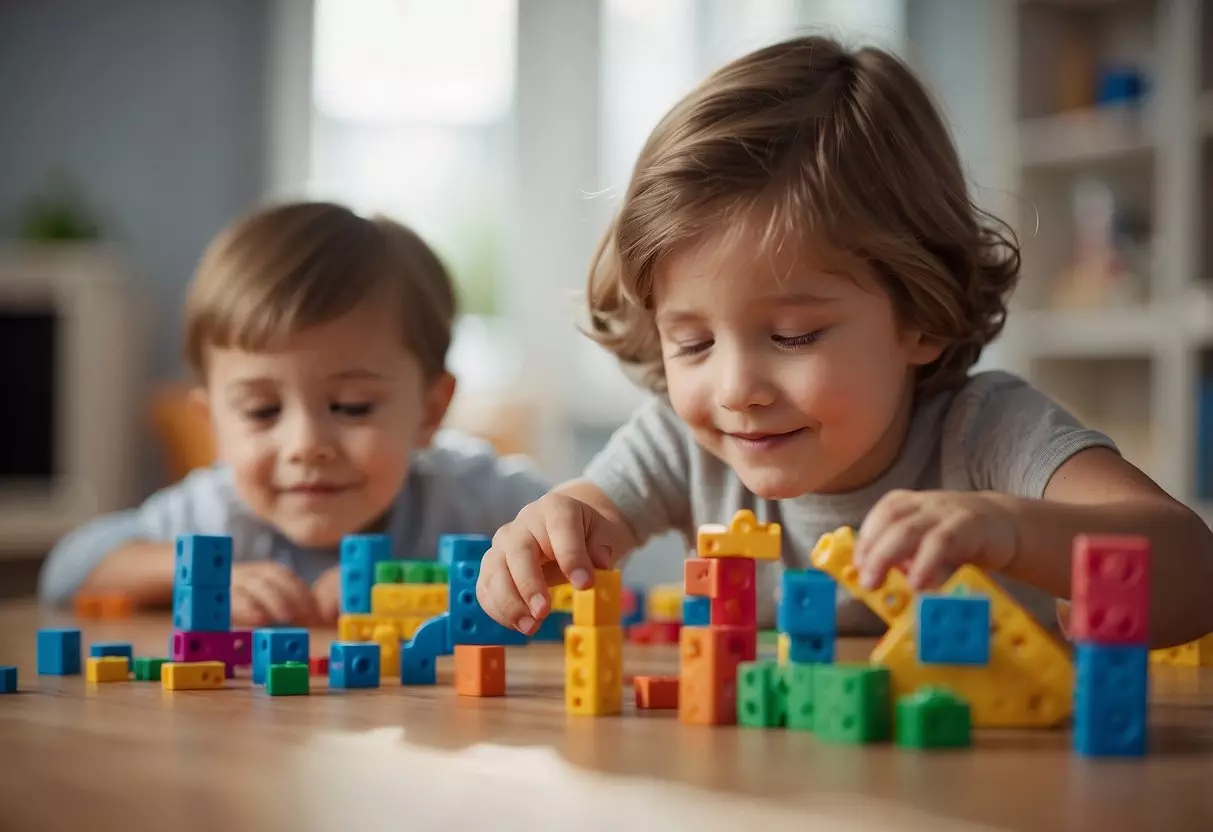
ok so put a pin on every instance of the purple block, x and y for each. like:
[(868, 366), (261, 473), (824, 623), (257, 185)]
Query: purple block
[(232, 647)]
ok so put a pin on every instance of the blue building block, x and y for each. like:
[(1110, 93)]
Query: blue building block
[(419, 656), (113, 648), (359, 554), (455, 548), (811, 649), (8, 679), (807, 603), (59, 652), (277, 645), (552, 628), (953, 629), (1111, 688), (204, 560), (636, 616), (696, 611), (470, 624), (206, 609), (353, 665)]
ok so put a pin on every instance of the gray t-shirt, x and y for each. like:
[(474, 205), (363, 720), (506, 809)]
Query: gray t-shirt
[(996, 433), (456, 486)]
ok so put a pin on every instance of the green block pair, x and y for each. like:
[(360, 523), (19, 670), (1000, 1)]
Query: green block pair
[(147, 669), (410, 572), (287, 679), (852, 703)]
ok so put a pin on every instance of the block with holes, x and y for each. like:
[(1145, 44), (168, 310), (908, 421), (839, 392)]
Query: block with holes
[(101, 669), (480, 669), (953, 629), (288, 679), (1110, 585), (202, 608), (798, 681), (602, 604), (834, 555), (810, 649), (1198, 653), (718, 578), (203, 560), (852, 703), (933, 718), (401, 599), (358, 558), (456, 548), (353, 665), (708, 660), (762, 695), (1110, 700), (277, 645), (807, 603), (593, 670), (419, 656), (696, 611), (655, 693), (192, 675), (388, 639), (743, 537)]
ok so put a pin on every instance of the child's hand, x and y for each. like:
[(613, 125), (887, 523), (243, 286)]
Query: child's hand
[(930, 533), (553, 538), (264, 593), (327, 592)]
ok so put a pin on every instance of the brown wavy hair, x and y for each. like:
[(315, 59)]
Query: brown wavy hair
[(814, 143)]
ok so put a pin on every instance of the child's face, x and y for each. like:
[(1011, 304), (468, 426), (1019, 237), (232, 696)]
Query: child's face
[(799, 379), (319, 433)]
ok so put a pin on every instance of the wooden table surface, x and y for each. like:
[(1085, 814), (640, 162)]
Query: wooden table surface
[(132, 756)]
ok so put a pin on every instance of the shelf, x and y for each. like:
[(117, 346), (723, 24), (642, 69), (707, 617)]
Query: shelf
[(1085, 137), (1110, 333)]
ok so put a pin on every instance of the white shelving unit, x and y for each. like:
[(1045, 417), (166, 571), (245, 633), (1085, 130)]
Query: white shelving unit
[(1132, 363)]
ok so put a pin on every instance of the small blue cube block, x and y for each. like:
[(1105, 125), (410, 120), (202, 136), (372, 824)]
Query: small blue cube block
[(953, 629), (636, 616), (1111, 690), (354, 665), (469, 623), (807, 602), (359, 554), (113, 648), (454, 548), (203, 560), (552, 628), (206, 609), (278, 645), (811, 649), (696, 611), (417, 667), (59, 652), (8, 679)]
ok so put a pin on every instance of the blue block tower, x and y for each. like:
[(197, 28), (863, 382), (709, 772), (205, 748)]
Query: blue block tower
[(953, 629), (202, 584), (469, 623), (359, 554), (807, 613)]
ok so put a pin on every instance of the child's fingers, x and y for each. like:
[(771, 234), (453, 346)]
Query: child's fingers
[(523, 564), (565, 530), (941, 545), (293, 593), (888, 510), (500, 599), (271, 598), (893, 545), (247, 610)]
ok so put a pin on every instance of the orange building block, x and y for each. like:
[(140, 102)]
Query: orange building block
[(479, 670), (718, 577), (707, 684), (113, 606), (656, 692)]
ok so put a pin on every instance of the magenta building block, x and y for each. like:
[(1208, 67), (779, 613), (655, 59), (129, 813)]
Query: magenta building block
[(232, 647)]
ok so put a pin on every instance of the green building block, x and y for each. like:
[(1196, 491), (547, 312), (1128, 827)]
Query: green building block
[(418, 572), (441, 574), (852, 703), (288, 679), (389, 572), (799, 681), (762, 696), (147, 669), (933, 718)]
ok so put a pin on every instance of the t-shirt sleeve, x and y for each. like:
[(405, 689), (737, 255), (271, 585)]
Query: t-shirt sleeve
[(1011, 437), (645, 470)]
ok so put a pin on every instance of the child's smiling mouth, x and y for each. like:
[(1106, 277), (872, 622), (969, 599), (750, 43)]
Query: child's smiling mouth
[(752, 441)]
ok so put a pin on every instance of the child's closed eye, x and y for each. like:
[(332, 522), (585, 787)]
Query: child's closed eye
[(791, 342), (691, 348), (262, 413), (352, 409)]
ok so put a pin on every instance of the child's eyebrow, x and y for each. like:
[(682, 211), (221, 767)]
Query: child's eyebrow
[(357, 373), (798, 299)]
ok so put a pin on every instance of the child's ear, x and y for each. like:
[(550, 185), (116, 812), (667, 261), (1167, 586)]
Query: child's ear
[(437, 401), (923, 349), (200, 404)]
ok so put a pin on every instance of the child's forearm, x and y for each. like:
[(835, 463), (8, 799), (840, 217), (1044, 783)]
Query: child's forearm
[(141, 570), (1181, 556)]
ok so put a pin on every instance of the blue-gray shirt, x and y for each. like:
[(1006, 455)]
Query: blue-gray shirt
[(456, 486)]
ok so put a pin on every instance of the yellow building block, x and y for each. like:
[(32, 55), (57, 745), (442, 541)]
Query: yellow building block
[(593, 670), (388, 638), (1197, 653), (834, 555), (602, 604), (783, 648), (392, 600), (744, 537), (665, 603), (192, 675), (1029, 681), (355, 626), (562, 598), (107, 669)]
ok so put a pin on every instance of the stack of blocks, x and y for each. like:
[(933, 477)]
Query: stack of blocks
[(204, 647), (1109, 622), (477, 641), (280, 660), (593, 648), (665, 610), (384, 599)]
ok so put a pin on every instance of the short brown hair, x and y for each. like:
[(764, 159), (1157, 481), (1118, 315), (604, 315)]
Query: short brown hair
[(288, 267), (816, 142)]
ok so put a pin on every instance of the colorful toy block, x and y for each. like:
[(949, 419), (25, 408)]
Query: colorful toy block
[(59, 652), (100, 669), (318, 666), (593, 670), (457, 548), (656, 693), (708, 658), (277, 645), (8, 679), (718, 577), (600, 605), (808, 599), (665, 603), (798, 679), (100, 649), (744, 537), (762, 695), (203, 560), (479, 669), (655, 632), (834, 555), (359, 555), (388, 572), (424, 572), (469, 623), (811, 649), (1110, 589), (852, 703), (288, 679), (633, 599), (419, 657), (783, 649), (1198, 653), (388, 640), (192, 675), (1110, 700), (148, 669), (552, 627), (202, 608), (353, 665), (109, 606), (696, 611), (933, 718), (232, 647), (392, 600), (562, 598), (440, 573), (953, 629)]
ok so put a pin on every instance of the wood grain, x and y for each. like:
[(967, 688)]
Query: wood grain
[(131, 756)]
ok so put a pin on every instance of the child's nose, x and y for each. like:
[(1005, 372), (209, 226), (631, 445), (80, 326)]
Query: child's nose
[(742, 384), (310, 441)]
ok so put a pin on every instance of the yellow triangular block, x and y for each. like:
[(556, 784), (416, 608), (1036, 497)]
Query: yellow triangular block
[(744, 537), (834, 555), (1197, 653)]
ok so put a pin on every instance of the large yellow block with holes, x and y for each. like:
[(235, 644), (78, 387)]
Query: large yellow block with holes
[(1197, 653), (192, 675), (101, 669), (393, 600), (602, 604), (744, 537), (593, 670), (834, 555), (387, 636), (664, 603), (361, 626)]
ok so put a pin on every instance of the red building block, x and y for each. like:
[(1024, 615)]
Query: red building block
[(718, 577), (1110, 586), (655, 632), (318, 666), (656, 692), (707, 683)]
